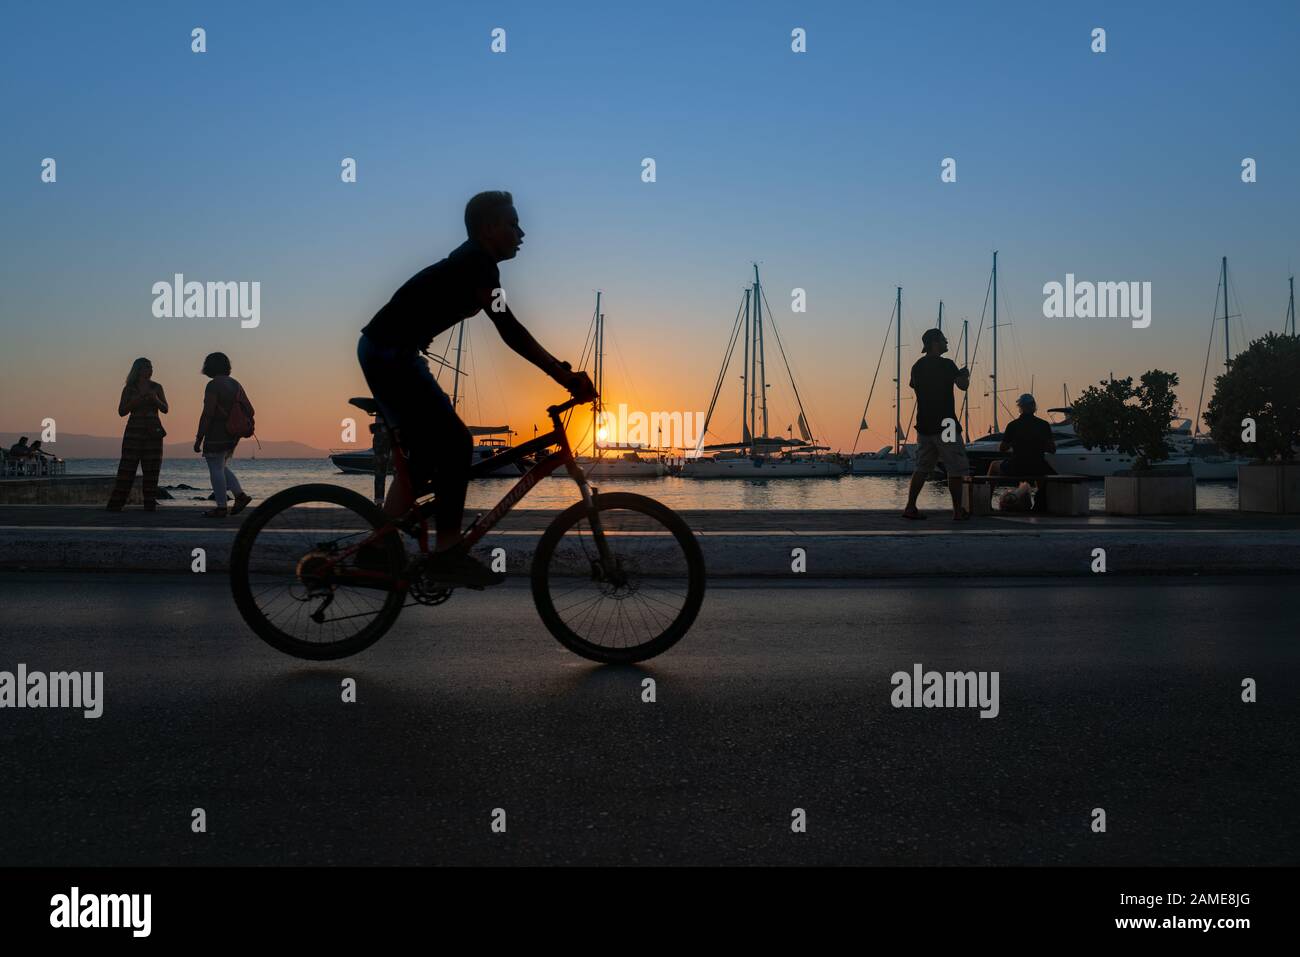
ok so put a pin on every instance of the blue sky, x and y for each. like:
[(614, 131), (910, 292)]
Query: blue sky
[(822, 166)]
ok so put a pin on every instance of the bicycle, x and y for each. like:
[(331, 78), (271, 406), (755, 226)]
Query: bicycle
[(313, 560)]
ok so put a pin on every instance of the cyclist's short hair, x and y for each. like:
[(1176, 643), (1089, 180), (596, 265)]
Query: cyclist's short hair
[(483, 206)]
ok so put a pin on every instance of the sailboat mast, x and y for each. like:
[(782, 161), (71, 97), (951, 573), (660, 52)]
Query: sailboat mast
[(745, 433), (1290, 305), (598, 368), (1227, 346), (761, 352), (995, 341), (455, 376), (965, 364), (941, 315), (898, 366)]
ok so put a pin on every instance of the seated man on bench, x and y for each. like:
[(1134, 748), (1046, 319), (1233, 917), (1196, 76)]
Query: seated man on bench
[(1028, 439)]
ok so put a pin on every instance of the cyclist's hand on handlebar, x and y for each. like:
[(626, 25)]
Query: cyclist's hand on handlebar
[(579, 385)]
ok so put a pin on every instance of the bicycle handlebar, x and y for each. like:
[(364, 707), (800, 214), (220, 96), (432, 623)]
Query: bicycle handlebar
[(557, 410)]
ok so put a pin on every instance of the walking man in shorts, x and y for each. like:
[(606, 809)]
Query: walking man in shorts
[(933, 377)]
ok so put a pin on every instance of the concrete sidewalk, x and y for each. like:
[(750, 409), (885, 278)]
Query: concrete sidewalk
[(837, 544)]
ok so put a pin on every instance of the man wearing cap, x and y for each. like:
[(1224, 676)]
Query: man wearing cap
[(933, 377), (1028, 439)]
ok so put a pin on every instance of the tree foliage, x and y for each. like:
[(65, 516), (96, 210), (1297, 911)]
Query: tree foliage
[(1132, 419), (1262, 383)]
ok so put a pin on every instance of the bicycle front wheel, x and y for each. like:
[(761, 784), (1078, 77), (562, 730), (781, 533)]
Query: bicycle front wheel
[(630, 603)]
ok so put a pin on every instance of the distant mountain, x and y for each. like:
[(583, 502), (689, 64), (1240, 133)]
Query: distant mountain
[(72, 446)]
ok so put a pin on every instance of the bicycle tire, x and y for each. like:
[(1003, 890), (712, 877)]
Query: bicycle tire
[(241, 585), (680, 531)]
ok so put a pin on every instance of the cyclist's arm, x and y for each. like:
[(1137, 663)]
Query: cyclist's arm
[(521, 341)]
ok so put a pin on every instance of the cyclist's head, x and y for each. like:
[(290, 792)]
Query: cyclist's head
[(216, 364), (492, 222)]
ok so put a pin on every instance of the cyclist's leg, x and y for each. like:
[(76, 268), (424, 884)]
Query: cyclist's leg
[(391, 375), (437, 444), (451, 447)]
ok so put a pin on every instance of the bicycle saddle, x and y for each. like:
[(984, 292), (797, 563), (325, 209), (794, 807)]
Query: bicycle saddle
[(365, 404)]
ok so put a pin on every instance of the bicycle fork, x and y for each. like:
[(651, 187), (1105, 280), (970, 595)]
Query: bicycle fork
[(608, 565)]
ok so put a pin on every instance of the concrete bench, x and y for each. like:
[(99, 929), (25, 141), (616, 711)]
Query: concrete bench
[(1064, 494)]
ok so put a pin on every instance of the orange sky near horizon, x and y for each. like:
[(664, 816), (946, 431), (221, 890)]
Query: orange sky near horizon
[(300, 387)]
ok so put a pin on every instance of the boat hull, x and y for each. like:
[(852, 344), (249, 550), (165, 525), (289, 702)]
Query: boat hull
[(881, 465), (606, 469), (362, 462), (1094, 464), (747, 468), (354, 463)]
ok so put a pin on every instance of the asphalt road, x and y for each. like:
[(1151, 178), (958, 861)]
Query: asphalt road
[(1118, 694)]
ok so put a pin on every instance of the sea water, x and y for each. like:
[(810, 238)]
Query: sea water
[(264, 477)]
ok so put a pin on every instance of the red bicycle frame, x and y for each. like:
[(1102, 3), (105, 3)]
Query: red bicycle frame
[(416, 520)]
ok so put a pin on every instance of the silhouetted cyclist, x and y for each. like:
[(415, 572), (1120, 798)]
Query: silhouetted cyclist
[(429, 303)]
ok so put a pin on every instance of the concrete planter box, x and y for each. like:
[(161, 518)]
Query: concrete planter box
[(1067, 498), (1269, 488), (1156, 492)]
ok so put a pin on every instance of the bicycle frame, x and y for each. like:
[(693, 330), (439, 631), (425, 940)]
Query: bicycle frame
[(562, 457), (419, 514)]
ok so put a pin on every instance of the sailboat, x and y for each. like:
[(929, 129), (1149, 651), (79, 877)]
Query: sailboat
[(1208, 461), (980, 451), (489, 440), (758, 455), (901, 458), (611, 459)]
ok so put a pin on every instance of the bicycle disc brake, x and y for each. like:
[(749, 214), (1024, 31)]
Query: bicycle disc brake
[(618, 582)]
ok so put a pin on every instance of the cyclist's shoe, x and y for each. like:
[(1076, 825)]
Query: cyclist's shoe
[(458, 568)]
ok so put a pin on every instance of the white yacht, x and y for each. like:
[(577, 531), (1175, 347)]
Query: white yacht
[(620, 462), (741, 466), (884, 462)]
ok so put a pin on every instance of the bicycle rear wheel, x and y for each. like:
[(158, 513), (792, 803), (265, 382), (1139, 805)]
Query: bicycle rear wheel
[(297, 587), (636, 605)]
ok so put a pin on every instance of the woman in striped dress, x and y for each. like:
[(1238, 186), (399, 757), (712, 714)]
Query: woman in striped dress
[(142, 442)]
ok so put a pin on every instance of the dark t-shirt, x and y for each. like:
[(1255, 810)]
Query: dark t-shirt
[(435, 299), (1030, 439), (932, 381)]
